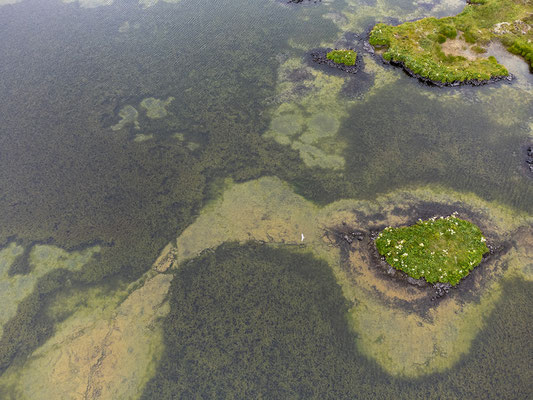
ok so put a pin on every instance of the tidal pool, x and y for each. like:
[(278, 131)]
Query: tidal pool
[(177, 181)]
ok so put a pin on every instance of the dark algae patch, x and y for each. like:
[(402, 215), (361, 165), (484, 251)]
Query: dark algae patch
[(441, 249), (254, 322), (447, 51)]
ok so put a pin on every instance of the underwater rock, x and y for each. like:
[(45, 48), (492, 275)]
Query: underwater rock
[(529, 159)]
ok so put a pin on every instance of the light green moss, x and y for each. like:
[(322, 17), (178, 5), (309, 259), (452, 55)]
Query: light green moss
[(107, 349), (156, 108), (128, 116), (42, 259), (309, 121)]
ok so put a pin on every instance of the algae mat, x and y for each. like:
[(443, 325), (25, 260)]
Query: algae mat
[(110, 345)]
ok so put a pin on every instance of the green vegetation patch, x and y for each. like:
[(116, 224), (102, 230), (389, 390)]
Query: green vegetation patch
[(419, 45), (438, 250), (346, 57)]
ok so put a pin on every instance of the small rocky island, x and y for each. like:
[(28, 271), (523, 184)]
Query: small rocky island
[(343, 59), (451, 51), (440, 250)]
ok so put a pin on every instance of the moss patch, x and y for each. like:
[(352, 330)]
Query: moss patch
[(438, 250), (418, 45), (346, 57)]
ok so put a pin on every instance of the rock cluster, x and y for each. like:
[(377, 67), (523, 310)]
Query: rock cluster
[(529, 158), (441, 289)]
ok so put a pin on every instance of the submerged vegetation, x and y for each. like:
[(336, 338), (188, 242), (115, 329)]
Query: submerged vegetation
[(438, 250), (447, 50), (272, 325), (346, 57)]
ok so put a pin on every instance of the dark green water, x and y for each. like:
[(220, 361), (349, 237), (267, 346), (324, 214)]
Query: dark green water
[(68, 179)]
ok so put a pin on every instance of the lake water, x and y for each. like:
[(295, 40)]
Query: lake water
[(169, 173)]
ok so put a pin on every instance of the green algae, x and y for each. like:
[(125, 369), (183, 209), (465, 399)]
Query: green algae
[(42, 260), (106, 348), (128, 116), (143, 137), (309, 122), (156, 108)]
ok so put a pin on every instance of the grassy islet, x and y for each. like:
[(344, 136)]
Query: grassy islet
[(439, 249)]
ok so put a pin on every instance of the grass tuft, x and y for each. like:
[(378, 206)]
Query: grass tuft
[(346, 57)]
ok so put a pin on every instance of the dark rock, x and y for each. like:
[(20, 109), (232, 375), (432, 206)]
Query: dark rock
[(368, 48), (441, 289)]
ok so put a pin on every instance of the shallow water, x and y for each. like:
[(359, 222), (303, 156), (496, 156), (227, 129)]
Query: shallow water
[(136, 134)]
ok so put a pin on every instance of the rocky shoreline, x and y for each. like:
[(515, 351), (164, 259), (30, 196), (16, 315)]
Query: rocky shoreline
[(319, 56)]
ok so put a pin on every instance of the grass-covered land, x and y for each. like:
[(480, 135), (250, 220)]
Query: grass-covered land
[(346, 57), (450, 49), (438, 250)]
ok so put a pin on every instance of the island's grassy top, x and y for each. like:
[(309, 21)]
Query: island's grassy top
[(448, 49), (438, 250), (346, 57)]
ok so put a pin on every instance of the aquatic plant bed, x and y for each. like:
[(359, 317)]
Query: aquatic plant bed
[(320, 56), (450, 51), (441, 249)]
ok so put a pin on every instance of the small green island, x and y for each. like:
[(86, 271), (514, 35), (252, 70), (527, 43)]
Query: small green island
[(451, 50), (346, 57), (441, 249)]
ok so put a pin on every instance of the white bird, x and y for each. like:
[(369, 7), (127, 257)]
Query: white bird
[(303, 237)]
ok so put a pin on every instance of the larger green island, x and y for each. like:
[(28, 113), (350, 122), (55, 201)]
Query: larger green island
[(441, 249), (451, 50)]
